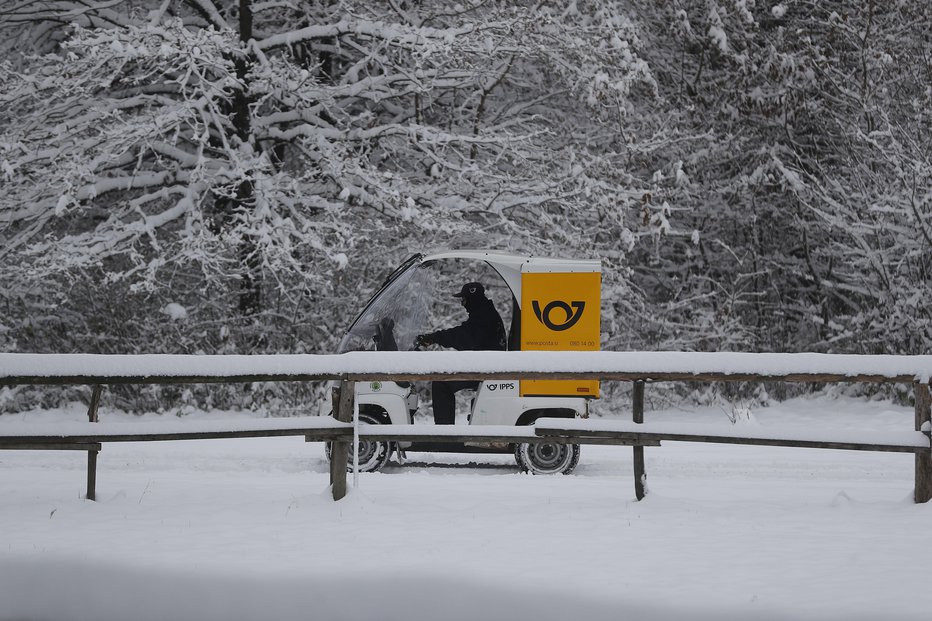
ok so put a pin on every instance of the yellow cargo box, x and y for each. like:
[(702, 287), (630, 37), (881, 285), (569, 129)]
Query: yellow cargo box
[(561, 311)]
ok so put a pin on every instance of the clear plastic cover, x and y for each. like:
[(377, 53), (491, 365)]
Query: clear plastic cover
[(418, 300), (396, 315)]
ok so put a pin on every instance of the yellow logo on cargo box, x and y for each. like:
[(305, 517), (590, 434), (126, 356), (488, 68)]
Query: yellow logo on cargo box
[(560, 312), (573, 310)]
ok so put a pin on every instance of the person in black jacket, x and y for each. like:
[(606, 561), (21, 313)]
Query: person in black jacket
[(482, 330)]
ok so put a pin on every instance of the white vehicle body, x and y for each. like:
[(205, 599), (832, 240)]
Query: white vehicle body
[(495, 403)]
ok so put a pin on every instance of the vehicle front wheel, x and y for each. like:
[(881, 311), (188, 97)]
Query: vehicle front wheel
[(372, 455), (547, 457)]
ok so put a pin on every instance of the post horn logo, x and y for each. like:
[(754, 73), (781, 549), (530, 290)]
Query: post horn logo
[(572, 314)]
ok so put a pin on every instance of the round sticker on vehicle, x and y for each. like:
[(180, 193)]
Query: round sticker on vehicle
[(376, 386)]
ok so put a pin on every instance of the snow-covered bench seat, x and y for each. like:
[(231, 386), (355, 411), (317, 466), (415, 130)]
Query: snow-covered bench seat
[(466, 433), (65, 435), (628, 432)]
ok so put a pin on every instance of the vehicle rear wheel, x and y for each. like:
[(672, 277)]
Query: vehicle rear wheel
[(372, 455), (547, 457)]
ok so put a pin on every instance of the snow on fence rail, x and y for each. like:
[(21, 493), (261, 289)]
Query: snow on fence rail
[(414, 366), (639, 367)]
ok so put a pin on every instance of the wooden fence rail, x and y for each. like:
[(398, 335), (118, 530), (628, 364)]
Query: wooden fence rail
[(91, 369), (638, 367)]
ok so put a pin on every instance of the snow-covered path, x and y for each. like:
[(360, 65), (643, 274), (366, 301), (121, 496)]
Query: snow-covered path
[(245, 529)]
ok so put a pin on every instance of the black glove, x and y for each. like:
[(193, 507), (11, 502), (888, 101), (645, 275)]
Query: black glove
[(423, 340)]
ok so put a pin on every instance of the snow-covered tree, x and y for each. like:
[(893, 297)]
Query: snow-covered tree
[(197, 151), (804, 221), (869, 195)]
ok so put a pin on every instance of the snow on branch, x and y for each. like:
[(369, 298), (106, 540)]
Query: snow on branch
[(400, 35), (173, 145), (209, 11)]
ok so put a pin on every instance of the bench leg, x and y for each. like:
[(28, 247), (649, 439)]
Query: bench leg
[(91, 475), (92, 455), (640, 476), (339, 452), (923, 490)]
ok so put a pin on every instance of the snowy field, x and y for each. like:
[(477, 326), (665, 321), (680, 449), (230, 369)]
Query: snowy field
[(245, 529)]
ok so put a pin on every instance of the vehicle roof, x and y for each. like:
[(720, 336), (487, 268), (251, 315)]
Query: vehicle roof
[(521, 263)]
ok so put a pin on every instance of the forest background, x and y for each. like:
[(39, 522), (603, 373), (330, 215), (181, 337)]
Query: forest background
[(237, 176)]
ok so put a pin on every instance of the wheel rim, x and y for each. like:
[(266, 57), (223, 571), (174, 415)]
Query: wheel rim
[(547, 456), (368, 454), (372, 454)]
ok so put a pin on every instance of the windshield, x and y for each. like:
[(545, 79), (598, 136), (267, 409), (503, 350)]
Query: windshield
[(399, 310), (418, 298)]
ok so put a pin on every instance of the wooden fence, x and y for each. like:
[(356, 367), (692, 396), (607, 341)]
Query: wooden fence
[(638, 367)]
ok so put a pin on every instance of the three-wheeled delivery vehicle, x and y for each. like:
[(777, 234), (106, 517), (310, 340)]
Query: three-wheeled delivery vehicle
[(549, 304)]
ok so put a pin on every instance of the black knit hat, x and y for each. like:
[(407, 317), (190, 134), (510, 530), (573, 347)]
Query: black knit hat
[(471, 290)]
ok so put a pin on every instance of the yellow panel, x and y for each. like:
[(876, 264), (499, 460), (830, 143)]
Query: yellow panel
[(560, 388), (560, 312)]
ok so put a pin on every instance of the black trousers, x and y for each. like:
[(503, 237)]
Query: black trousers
[(445, 400)]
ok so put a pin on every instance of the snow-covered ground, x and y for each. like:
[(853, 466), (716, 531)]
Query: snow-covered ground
[(245, 529)]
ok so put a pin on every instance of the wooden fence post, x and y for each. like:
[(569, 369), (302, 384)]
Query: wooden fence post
[(339, 451), (640, 477), (92, 455), (923, 491)]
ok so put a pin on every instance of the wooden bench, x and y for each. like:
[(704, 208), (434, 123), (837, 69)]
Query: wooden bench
[(652, 433), (639, 434), (91, 436)]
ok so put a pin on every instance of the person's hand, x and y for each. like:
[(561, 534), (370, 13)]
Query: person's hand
[(423, 340)]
